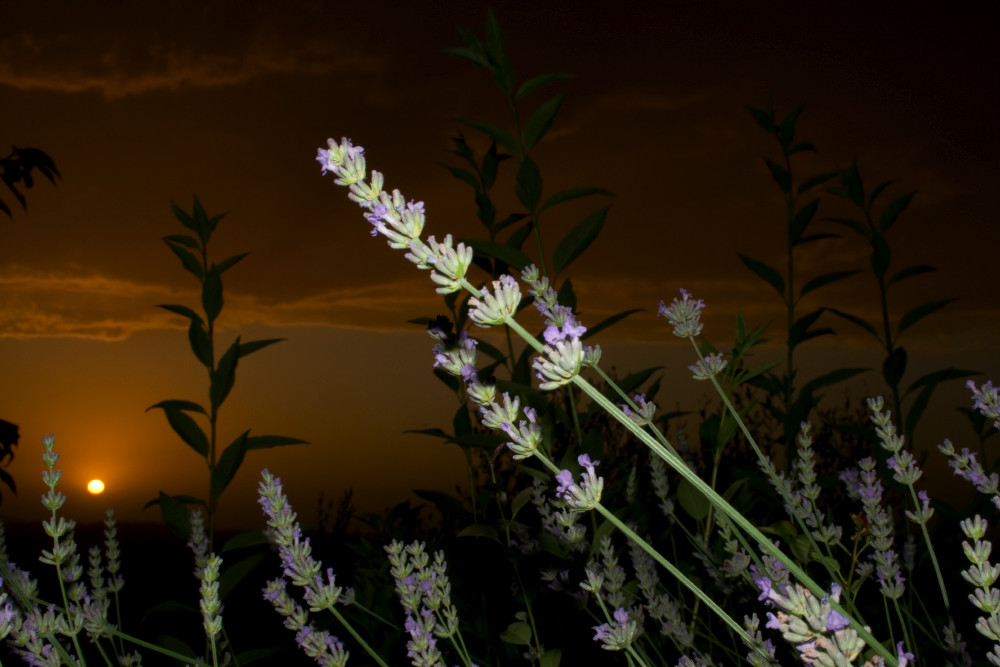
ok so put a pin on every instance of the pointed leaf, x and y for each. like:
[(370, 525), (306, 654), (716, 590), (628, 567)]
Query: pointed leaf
[(201, 346), (271, 441), (237, 572), (825, 279), (817, 237), (529, 184), (802, 146), (184, 218), (507, 222), (633, 381), (764, 119), (480, 530), (184, 240), (510, 256), (801, 325), (488, 172), (692, 500), (502, 137), (184, 426), (541, 121), (780, 175), (464, 175), (181, 310), (818, 179), (853, 319), (853, 224), (230, 261), (801, 220), (877, 191), (534, 83), (578, 239), (254, 345), (786, 132), (894, 367), (573, 193), (517, 633), (920, 312), (189, 261), (227, 465), (910, 271), (175, 515), (178, 404), (768, 274), (609, 321), (211, 293), (469, 55), (832, 377), (893, 210), (224, 376)]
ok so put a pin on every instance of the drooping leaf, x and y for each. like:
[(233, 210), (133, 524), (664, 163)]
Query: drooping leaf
[(229, 262), (238, 572), (779, 174), (550, 658), (473, 57), (893, 210), (510, 220), (184, 240), (786, 131), (178, 404), (818, 179), (860, 228), (633, 381), (227, 465), (801, 220), (541, 121), (270, 441), (894, 367), (520, 500), (853, 319), (825, 279), (184, 218), (802, 146), (498, 135), (464, 175), (184, 426), (504, 253), (578, 239), (529, 184), (224, 376), (254, 345), (502, 71), (609, 321), (461, 422), (920, 312), (211, 293), (801, 326), (175, 515), (832, 377), (768, 274), (566, 295), (927, 384), (536, 82), (181, 310), (488, 171), (200, 221), (201, 346), (910, 271), (517, 633), (189, 261), (573, 193), (764, 118)]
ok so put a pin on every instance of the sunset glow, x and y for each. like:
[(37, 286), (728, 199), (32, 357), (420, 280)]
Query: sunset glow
[(95, 486)]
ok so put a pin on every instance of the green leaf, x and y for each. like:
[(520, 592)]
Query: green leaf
[(184, 240), (211, 294), (189, 261), (929, 383), (237, 572), (464, 175), (877, 191), (692, 500), (510, 220), (541, 121), (224, 376), (573, 193), (566, 296), (501, 69), (578, 239), (536, 82), (825, 279), (254, 345), (894, 367), (244, 540), (502, 137), (517, 633), (183, 425), (832, 377), (607, 322), (798, 331), (818, 179), (271, 441), (780, 175), (175, 515), (910, 271), (230, 261), (480, 530), (255, 655), (181, 310), (551, 658), (801, 220), (786, 132), (183, 216), (227, 465), (488, 172), (802, 146), (853, 224), (633, 381), (469, 55), (920, 312), (520, 500), (529, 184), (504, 253), (201, 221), (764, 118), (201, 346), (893, 210), (446, 503), (178, 404), (768, 274), (853, 319)]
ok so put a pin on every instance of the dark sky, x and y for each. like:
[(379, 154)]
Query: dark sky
[(145, 104)]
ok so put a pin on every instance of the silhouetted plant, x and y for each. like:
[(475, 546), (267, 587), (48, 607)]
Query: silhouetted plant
[(16, 169), (222, 465), (795, 400)]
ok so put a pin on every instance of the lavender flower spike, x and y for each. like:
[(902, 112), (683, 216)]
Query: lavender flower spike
[(497, 308), (986, 399), (685, 315)]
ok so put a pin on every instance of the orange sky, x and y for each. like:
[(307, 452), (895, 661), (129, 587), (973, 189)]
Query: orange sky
[(144, 105)]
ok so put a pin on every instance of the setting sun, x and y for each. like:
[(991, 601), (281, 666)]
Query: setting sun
[(95, 486)]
